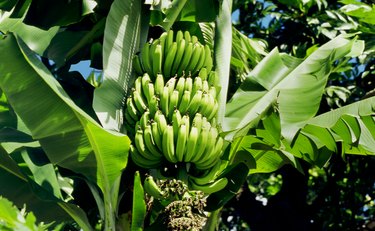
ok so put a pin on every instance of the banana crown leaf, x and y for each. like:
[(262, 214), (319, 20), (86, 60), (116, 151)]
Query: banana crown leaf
[(286, 84)]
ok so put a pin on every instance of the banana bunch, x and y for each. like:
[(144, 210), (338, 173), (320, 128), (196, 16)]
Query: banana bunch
[(173, 55)]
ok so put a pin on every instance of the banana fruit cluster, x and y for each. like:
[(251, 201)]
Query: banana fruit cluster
[(173, 55), (171, 110)]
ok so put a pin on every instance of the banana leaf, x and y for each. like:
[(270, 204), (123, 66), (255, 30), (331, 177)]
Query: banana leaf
[(291, 87), (22, 190), (69, 137), (139, 204), (121, 41)]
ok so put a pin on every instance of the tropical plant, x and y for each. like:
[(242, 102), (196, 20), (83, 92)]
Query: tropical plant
[(60, 154)]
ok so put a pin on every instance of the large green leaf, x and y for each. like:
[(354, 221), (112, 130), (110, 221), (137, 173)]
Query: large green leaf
[(121, 40), (36, 38), (222, 52), (352, 125), (281, 82), (139, 204), (68, 135), (45, 205)]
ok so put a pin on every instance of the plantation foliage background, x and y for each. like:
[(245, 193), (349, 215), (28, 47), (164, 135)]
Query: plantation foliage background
[(296, 108)]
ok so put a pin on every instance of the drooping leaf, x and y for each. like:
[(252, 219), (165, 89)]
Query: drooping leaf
[(36, 38), (44, 205), (68, 135), (139, 204), (121, 41), (295, 91)]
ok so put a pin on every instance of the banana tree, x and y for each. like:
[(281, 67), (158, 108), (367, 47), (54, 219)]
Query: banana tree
[(51, 140)]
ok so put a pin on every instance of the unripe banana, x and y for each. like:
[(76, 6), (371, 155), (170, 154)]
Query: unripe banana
[(171, 83), (141, 147), (189, 84), (145, 55), (156, 134), (213, 78), (185, 59), (214, 111), (157, 60), (179, 36), (181, 142), (152, 188), (206, 105), (186, 120), (138, 69), (201, 143), (168, 41), (170, 56), (191, 143), (185, 101), (139, 102), (153, 105), (149, 141), (159, 84), (176, 122), (141, 161), (210, 187), (149, 91), (187, 36), (168, 144), (179, 55), (208, 63), (145, 79), (131, 109), (162, 39), (195, 102), (213, 91), (210, 174), (210, 146), (203, 73), (129, 120), (197, 121), (213, 157), (173, 102), (205, 86), (197, 51), (197, 85), (161, 121), (200, 62), (180, 86), (194, 39), (144, 119), (164, 101), (138, 84)]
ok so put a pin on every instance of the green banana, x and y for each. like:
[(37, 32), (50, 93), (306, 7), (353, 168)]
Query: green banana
[(205, 107), (212, 91), (138, 84), (157, 60), (131, 109), (153, 105), (173, 102), (179, 36), (203, 73), (141, 161), (180, 86), (210, 146), (197, 51), (129, 120), (191, 143), (149, 91), (214, 111), (194, 39), (195, 102), (144, 119), (179, 54), (168, 41), (185, 59), (156, 134), (141, 147), (152, 188), (186, 120), (149, 141), (189, 84), (210, 174), (168, 144), (197, 85), (159, 84), (208, 63), (200, 62), (197, 121), (171, 83), (181, 142), (176, 121), (164, 101), (139, 102), (145, 55), (213, 78), (210, 187), (161, 121), (170, 56), (137, 65), (205, 86), (185, 101), (187, 36), (201, 143)]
